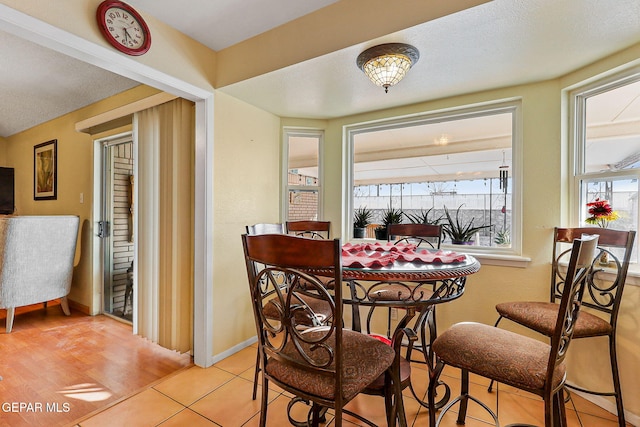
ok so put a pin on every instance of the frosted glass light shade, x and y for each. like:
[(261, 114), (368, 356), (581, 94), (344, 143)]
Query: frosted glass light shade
[(387, 64)]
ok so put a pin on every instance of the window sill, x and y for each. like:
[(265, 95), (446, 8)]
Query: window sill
[(502, 260)]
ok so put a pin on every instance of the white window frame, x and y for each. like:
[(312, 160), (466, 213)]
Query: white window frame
[(288, 133), (513, 105), (577, 104), (577, 127)]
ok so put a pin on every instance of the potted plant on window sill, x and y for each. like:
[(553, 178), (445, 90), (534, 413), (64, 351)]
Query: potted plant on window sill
[(461, 232), (503, 238), (361, 218), (389, 216)]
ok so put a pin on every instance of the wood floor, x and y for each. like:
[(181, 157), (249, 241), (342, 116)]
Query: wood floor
[(57, 369)]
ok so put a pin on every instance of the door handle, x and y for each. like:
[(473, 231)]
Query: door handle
[(103, 229)]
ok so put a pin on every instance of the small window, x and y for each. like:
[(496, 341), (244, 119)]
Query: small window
[(607, 148), (302, 188), (606, 124)]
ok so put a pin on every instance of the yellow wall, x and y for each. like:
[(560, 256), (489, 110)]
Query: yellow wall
[(246, 189), (3, 152)]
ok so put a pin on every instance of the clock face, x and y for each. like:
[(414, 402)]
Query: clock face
[(123, 27)]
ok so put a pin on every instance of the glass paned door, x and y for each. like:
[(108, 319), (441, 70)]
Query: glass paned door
[(116, 228)]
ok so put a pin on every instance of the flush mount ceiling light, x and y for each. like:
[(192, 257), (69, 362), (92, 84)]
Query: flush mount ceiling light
[(386, 64)]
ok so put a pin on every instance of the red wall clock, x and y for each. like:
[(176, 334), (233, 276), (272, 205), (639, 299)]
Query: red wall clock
[(123, 27)]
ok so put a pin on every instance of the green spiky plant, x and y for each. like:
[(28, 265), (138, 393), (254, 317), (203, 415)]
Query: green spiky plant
[(460, 232), (389, 216), (362, 217), (502, 238)]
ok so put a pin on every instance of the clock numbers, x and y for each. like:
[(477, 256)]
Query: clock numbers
[(123, 27)]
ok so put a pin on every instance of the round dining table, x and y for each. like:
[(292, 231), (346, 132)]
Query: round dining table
[(410, 279)]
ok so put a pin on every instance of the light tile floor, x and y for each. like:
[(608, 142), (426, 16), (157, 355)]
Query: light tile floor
[(221, 396)]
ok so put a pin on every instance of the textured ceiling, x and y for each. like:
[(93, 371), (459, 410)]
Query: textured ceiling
[(38, 84), (498, 44)]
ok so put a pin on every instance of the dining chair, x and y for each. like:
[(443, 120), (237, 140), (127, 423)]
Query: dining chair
[(312, 229), (317, 313), (513, 359), (428, 235), (418, 234), (605, 284), (327, 365)]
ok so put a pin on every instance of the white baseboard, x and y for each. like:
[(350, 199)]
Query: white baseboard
[(233, 350), (607, 405)]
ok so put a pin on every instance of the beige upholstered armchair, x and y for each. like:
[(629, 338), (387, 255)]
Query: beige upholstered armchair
[(36, 260)]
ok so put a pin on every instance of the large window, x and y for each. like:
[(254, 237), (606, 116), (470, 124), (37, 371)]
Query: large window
[(462, 161), (606, 124), (303, 194)]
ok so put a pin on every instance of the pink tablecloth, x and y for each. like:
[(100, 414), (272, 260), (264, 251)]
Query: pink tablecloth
[(379, 255)]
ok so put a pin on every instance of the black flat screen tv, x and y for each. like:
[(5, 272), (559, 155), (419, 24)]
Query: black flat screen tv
[(7, 199)]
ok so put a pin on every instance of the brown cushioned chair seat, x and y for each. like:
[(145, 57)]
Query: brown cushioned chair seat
[(320, 307), (542, 316), (523, 360), (365, 359)]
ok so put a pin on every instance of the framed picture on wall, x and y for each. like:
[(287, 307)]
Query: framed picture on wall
[(45, 170)]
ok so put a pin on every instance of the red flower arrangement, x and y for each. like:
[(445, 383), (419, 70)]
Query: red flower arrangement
[(601, 213)]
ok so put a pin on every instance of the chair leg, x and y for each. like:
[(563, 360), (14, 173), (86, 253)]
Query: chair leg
[(395, 391), (555, 411), (337, 422), (434, 375), (615, 375), (263, 402), (11, 311), (563, 408), (549, 410), (389, 393), (490, 388), (464, 392), (255, 376), (64, 303)]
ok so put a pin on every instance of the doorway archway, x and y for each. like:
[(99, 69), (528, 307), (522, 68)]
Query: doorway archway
[(44, 34)]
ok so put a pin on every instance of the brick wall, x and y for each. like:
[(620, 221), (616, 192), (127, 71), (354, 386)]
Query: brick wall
[(121, 227), (303, 204)]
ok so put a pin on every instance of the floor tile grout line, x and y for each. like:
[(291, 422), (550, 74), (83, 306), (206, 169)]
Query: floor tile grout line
[(277, 394), (201, 397)]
